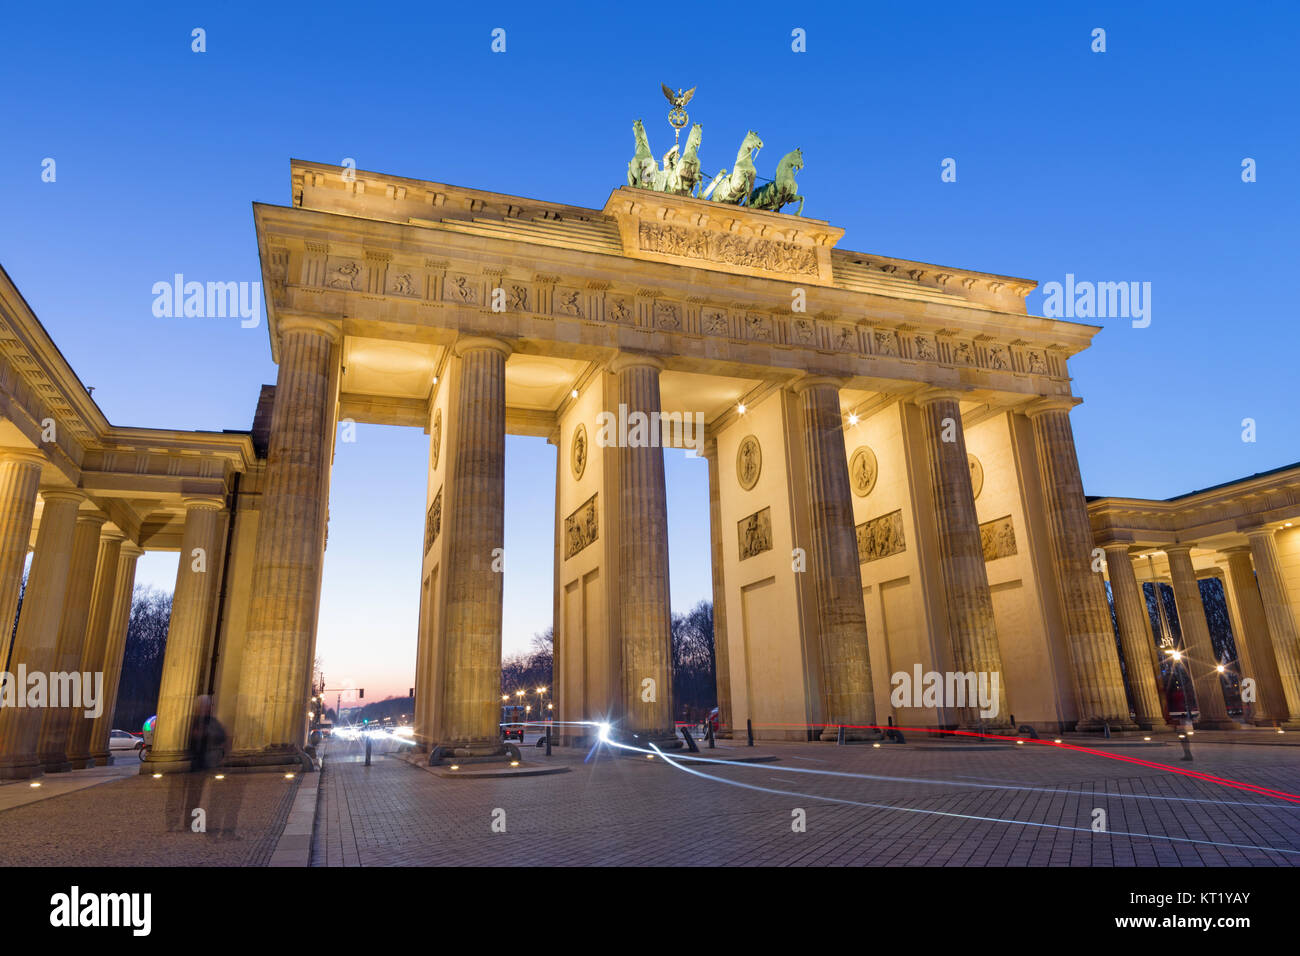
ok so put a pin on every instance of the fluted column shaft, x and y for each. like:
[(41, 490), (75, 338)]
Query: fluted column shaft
[(187, 636), (20, 479), (118, 622), (971, 626), (56, 725), (1199, 658), (1254, 643), (1136, 636), (271, 722), (1099, 684), (38, 630), (833, 560), (645, 616), (1281, 616), (721, 657), (475, 529), (96, 642)]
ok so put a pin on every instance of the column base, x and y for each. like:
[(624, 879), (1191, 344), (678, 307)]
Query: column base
[(160, 762), (1228, 724), (1096, 725), (20, 768), (55, 763), (832, 734), (270, 760), (80, 763), (101, 760)]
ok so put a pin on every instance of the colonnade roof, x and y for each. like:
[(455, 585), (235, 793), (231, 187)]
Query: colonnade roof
[(136, 476), (1210, 519)]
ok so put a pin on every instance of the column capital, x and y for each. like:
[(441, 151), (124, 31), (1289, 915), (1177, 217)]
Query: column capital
[(1111, 544), (111, 533), (1235, 549), (92, 517), (928, 396), (1260, 530), (632, 359), (1051, 403), (62, 494), (203, 502), (131, 550), (815, 381), (26, 456), (297, 321), (473, 343), (1185, 546)]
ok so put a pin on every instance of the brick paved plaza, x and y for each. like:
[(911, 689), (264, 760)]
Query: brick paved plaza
[(631, 811)]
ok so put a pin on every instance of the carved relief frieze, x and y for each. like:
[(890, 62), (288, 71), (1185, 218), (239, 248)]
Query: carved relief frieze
[(433, 522), (668, 316), (998, 538), (769, 255), (755, 533), (344, 275), (714, 322), (461, 289), (881, 537), (581, 528)]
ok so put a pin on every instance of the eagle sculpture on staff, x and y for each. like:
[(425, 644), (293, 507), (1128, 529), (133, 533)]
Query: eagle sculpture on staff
[(679, 99)]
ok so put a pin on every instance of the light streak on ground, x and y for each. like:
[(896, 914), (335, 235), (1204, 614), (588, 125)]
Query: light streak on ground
[(655, 751)]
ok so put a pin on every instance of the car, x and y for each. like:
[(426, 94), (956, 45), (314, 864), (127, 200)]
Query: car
[(122, 740)]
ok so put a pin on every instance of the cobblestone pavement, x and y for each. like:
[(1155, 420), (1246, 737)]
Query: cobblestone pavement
[(638, 812), (137, 821)]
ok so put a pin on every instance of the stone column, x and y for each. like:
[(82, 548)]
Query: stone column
[(1280, 614), (20, 479), (833, 560), (1198, 655), (1090, 638), (52, 745), (645, 617), (95, 645), (971, 627), (271, 722), (475, 529), (118, 622), (1135, 634), (1254, 643), (721, 658), (38, 630), (187, 636)]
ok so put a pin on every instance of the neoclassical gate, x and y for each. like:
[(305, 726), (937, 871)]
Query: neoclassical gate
[(894, 488)]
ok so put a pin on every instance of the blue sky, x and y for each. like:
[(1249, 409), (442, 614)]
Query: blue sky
[(1115, 166)]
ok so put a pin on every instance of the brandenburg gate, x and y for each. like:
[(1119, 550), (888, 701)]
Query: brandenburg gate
[(893, 483)]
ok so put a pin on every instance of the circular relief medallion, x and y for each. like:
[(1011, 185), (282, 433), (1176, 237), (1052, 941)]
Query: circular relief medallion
[(863, 471), (976, 476), (749, 462), (578, 451), (435, 436)]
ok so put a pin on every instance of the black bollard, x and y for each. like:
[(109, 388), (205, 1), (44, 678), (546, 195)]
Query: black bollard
[(548, 741), (1187, 746), (690, 741), (1105, 729), (839, 738), (367, 750), (749, 731), (708, 735)]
